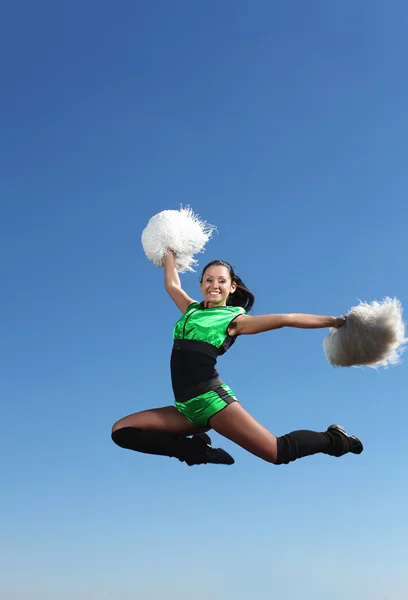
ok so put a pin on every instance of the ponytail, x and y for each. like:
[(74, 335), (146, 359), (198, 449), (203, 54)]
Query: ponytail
[(242, 295)]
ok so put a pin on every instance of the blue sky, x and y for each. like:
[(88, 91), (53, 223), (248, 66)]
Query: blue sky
[(282, 123)]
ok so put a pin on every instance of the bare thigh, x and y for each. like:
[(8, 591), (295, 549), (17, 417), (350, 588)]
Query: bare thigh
[(167, 419), (236, 424)]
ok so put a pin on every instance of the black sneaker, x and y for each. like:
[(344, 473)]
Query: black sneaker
[(218, 456), (355, 445), (205, 454)]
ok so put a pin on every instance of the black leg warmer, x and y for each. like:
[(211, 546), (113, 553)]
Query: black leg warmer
[(299, 444)]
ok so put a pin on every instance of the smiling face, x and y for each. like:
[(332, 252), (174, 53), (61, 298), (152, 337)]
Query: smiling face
[(216, 286)]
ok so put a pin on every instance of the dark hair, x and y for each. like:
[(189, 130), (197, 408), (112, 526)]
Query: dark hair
[(242, 296)]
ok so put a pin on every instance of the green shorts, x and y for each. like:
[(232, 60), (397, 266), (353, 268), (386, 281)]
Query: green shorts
[(200, 409)]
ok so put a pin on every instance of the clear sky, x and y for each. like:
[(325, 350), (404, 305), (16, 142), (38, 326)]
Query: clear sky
[(285, 125)]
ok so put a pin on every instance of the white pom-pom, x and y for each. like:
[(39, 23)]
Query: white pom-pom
[(373, 335), (182, 231)]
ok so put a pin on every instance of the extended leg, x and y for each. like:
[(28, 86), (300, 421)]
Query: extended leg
[(236, 424)]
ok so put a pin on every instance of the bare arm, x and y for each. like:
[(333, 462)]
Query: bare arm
[(172, 283), (245, 324)]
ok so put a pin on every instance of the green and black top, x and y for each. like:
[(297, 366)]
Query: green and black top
[(200, 336)]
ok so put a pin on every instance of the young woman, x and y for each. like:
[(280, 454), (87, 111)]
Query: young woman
[(202, 401)]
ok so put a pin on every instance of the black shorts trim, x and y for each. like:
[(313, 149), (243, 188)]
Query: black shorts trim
[(224, 395)]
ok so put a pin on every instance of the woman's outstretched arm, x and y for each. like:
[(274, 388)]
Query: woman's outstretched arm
[(172, 283), (246, 324)]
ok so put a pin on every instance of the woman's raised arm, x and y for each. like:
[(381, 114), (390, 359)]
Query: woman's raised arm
[(172, 283)]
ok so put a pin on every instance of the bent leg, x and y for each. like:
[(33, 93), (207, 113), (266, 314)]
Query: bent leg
[(236, 424), (163, 432)]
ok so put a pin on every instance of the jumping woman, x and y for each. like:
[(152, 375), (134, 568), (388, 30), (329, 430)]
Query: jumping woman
[(203, 401)]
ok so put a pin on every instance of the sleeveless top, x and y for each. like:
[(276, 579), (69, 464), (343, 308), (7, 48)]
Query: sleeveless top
[(200, 336)]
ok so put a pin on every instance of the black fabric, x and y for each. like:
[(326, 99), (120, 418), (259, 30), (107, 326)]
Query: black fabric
[(229, 341), (146, 441), (189, 368), (299, 444)]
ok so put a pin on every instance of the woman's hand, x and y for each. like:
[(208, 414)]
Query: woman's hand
[(339, 322), (170, 255)]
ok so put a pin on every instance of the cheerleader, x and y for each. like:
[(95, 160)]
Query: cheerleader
[(202, 400)]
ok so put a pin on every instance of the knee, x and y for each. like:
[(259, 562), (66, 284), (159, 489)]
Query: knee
[(115, 427), (114, 432), (119, 436), (117, 433), (121, 424)]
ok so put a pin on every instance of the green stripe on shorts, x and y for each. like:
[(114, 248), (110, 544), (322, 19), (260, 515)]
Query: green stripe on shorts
[(200, 409)]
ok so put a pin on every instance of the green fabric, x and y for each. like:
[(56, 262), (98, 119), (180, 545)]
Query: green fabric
[(206, 324), (200, 409)]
